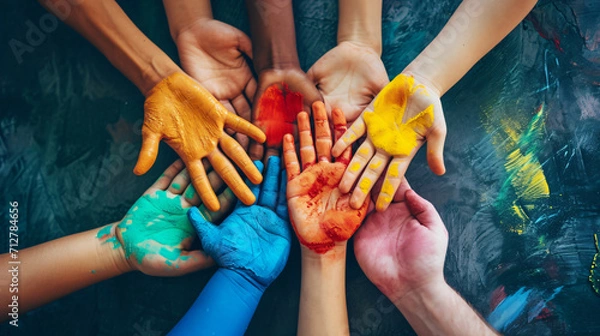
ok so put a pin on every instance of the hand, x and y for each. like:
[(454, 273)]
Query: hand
[(213, 53), (319, 211), (403, 249), (281, 95), (349, 77), (253, 241), (191, 121), (155, 234), (404, 114)]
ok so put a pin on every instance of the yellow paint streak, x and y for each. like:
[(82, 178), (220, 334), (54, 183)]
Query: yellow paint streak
[(393, 170), (387, 188), (375, 165), (528, 180), (355, 167), (363, 151), (386, 126), (365, 185)]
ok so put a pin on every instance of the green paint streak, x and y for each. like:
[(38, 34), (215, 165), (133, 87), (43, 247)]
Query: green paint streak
[(184, 258), (190, 192), (93, 271), (525, 188), (176, 186), (594, 277), (104, 233), (169, 227)]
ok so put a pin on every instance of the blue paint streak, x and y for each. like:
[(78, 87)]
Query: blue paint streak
[(509, 309)]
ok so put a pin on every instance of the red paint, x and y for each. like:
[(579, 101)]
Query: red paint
[(317, 186), (277, 111)]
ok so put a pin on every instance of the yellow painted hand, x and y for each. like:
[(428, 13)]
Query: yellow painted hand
[(397, 123), (192, 121)]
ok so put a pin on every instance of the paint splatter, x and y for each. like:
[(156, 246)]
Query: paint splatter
[(277, 111), (386, 126), (106, 235), (594, 277), (525, 186)]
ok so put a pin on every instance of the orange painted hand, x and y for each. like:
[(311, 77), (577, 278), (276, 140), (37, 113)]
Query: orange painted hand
[(397, 123), (319, 211), (192, 121)]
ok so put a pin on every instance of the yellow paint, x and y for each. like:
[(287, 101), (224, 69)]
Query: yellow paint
[(393, 170), (365, 185), (386, 126), (355, 167), (382, 201), (387, 188), (363, 151), (375, 165)]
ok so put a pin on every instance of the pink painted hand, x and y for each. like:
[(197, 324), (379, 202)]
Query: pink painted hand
[(405, 114), (319, 211), (349, 76), (192, 122), (213, 53), (403, 249)]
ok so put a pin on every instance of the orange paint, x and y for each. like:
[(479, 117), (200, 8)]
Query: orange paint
[(277, 111)]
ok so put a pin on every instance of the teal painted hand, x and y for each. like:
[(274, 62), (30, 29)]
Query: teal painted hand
[(155, 234), (254, 240)]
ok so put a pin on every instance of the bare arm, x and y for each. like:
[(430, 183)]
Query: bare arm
[(106, 26), (183, 13), (360, 22), (472, 31)]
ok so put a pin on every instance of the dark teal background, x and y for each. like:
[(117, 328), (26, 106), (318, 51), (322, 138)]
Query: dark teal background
[(70, 135)]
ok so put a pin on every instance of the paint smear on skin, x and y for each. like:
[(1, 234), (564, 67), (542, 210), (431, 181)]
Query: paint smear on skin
[(363, 151), (153, 235), (109, 238), (386, 126), (355, 167), (176, 186), (365, 185), (190, 192), (277, 111), (594, 277), (525, 187), (393, 170), (375, 165)]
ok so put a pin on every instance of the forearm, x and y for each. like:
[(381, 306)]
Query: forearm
[(472, 31), (225, 307), (360, 22), (439, 310), (54, 269), (106, 26), (273, 34), (183, 13), (323, 293)]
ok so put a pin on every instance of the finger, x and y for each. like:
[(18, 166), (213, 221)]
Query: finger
[(339, 127), (206, 230), (202, 185), (357, 130), (359, 161), (236, 153), (256, 150), (162, 183), (268, 196), (282, 209), (435, 149), (423, 210), (243, 126), (227, 200), (244, 43), (307, 150), (322, 132), (180, 182), (242, 107), (402, 189), (393, 178), (148, 152), (192, 261), (310, 93), (369, 177), (192, 197), (231, 177), (228, 105), (255, 187), (250, 90), (290, 158)]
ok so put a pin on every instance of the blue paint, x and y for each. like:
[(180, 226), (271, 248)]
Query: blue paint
[(509, 309)]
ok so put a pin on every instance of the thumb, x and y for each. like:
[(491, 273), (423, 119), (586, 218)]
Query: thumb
[(148, 152), (244, 43), (423, 210), (435, 149), (207, 232)]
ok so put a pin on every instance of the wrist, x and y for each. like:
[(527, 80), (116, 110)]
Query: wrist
[(248, 286), (362, 39), (426, 73), (275, 60), (112, 252), (182, 15), (335, 255), (422, 297)]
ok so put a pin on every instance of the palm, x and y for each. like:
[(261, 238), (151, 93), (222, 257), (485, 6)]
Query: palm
[(212, 52), (349, 77)]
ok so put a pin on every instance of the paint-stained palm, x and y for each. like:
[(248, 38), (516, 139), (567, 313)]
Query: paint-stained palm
[(404, 247), (192, 122), (319, 211), (215, 54), (405, 114), (349, 77)]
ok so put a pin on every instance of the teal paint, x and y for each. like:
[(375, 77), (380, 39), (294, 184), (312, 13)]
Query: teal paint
[(105, 232), (155, 225), (176, 186), (190, 192), (93, 271)]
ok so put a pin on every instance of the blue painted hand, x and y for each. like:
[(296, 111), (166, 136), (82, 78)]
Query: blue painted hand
[(254, 240)]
